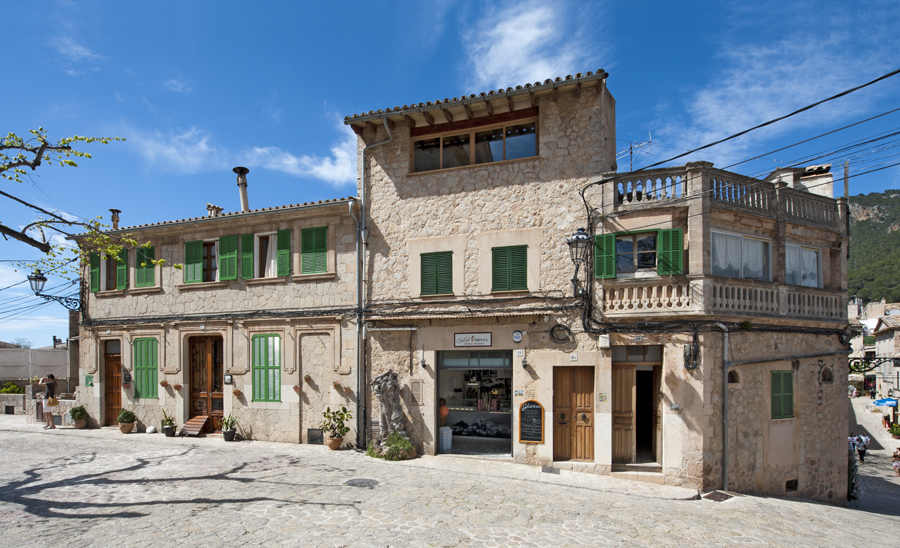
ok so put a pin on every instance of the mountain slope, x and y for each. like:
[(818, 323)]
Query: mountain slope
[(873, 271)]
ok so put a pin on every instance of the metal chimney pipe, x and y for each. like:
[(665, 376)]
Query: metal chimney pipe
[(115, 218), (242, 184)]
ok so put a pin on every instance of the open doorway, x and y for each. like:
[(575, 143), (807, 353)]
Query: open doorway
[(636, 403)]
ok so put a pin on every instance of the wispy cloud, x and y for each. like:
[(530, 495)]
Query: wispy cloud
[(529, 42), (194, 151), (74, 51), (178, 86)]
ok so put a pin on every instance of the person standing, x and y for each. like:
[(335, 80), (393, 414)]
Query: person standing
[(896, 462), (49, 401), (862, 443)]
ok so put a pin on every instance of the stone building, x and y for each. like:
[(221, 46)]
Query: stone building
[(250, 313), (699, 344)]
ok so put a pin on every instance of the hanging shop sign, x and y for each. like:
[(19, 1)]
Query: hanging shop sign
[(471, 339), (531, 422)]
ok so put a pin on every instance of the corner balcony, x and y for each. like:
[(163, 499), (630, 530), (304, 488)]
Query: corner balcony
[(677, 297)]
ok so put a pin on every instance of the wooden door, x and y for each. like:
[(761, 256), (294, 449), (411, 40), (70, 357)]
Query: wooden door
[(112, 380), (573, 413), (623, 396), (207, 377)]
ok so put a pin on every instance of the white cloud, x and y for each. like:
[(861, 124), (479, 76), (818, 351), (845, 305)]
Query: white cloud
[(527, 43), (337, 169), (178, 86), (189, 151), (74, 51)]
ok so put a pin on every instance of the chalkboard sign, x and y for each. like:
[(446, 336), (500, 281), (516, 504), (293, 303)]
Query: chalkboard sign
[(531, 422)]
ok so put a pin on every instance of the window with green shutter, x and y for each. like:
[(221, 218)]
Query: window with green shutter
[(144, 269), (671, 252), (193, 262), (283, 243), (509, 268), (228, 257), (314, 250), (121, 269), (265, 362), (247, 256), (605, 256), (437, 273), (145, 368), (782, 394), (625, 253), (95, 272)]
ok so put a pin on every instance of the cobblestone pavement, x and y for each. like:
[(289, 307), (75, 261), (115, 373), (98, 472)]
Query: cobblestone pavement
[(78, 488)]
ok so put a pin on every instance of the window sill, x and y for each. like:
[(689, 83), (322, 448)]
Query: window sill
[(313, 277), (513, 292), (487, 164), (263, 281), (437, 296), (203, 285), (145, 290), (784, 419), (110, 293)]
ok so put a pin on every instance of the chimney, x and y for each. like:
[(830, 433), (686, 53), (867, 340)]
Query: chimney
[(213, 210), (115, 218), (242, 184)]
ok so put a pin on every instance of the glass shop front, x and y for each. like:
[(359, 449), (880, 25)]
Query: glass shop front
[(474, 399)]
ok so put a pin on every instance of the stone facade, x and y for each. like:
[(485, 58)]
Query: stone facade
[(311, 316), (662, 333)]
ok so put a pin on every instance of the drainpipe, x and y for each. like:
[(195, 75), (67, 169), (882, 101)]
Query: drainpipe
[(725, 365), (361, 242)]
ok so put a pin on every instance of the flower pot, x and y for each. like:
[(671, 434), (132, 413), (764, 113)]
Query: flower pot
[(169, 430), (164, 383), (237, 393), (297, 389), (307, 379), (334, 443), (228, 435), (337, 386), (126, 427), (348, 390), (176, 386), (81, 424)]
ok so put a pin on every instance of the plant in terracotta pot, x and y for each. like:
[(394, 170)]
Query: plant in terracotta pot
[(126, 420), (297, 388), (336, 385), (237, 392), (333, 426), (168, 425), (80, 415), (176, 386), (307, 378), (164, 383), (348, 390), (229, 427), (894, 430)]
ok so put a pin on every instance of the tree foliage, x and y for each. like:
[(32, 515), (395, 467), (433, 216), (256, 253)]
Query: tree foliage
[(872, 270)]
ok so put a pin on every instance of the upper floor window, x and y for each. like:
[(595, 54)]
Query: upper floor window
[(782, 394), (739, 256), (314, 250), (145, 270), (509, 268), (802, 265), (625, 254), (471, 146), (109, 272), (203, 260), (437, 273), (266, 255)]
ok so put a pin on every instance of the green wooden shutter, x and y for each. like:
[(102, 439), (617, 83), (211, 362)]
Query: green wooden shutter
[(518, 268), (314, 250), (95, 272), (145, 271), (444, 273), (283, 245), (429, 273), (782, 394), (145, 368), (247, 256), (228, 257), (193, 262), (122, 269), (266, 367), (670, 252), (605, 256), (500, 269)]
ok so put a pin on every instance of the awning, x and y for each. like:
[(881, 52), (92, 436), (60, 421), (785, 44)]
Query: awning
[(885, 402)]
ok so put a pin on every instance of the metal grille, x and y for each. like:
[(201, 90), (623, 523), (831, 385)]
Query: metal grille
[(361, 482)]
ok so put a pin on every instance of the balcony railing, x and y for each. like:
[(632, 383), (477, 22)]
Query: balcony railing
[(719, 296)]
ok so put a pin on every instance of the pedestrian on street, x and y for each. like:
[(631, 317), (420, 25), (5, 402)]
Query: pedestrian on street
[(896, 463), (862, 443), (49, 401)]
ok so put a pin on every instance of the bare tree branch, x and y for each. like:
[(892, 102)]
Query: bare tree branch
[(6, 231)]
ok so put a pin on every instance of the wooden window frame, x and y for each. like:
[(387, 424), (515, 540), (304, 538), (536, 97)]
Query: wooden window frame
[(669, 253)]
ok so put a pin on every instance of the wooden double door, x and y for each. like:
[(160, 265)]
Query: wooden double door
[(636, 414), (573, 413), (206, 380), (112, 381)]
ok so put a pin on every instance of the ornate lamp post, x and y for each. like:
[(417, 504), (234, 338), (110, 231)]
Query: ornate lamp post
[(37, 281), (578, 246)]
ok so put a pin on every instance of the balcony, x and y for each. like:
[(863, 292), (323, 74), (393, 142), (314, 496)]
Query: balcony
[(667, 298)]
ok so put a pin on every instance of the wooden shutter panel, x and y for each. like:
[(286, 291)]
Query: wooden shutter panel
[(95, 272), (605, 256), (193, 262), (444, 273), (518, 268), (429, 273), (228, 253), (500, 269), (283, 244), (776, 394), (122, 269), (314, 250), (247, 256), (670, 253), (145, 271)]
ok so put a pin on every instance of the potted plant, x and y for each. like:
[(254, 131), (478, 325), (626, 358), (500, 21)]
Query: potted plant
[(80, 415), (307, 378), (229, 427), (237, 392), (168, 425), (336, 385), (333, 426), (176, 386), (164, 383), (297, 388), (895, 431), (348, 390), (126, 421)]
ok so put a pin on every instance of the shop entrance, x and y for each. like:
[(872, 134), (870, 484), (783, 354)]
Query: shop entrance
[(636, 405), (112, 380), (207, 376), (573, 413), (476, 388)]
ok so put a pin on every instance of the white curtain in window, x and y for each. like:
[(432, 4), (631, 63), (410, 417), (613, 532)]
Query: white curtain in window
[(793, 264), (726, 255), (809, 261), (272, 258), (756, 259)]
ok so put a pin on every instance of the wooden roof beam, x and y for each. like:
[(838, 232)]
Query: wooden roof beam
[(428, 118), (509, 101), (531, 98), (409, 120), (555, 94), (578, 90), (447, 115), (489, 106), (469, 113)]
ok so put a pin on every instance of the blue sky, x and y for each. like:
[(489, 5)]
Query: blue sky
[(199, 87)]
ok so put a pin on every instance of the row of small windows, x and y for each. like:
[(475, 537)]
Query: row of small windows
[(248, 255), (477, 146), (509, 270)]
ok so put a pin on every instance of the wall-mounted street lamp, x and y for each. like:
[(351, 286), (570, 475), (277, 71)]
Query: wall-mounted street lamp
[(37, 281), (578, 247)]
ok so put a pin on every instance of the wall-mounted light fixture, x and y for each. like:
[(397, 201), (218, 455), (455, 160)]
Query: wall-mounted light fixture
[(37, 281), (578, 246), (422, 363), (524, 358)]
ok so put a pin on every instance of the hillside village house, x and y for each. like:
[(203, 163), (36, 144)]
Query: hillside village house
[(887, 347), (263, 298), (699, 344)]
